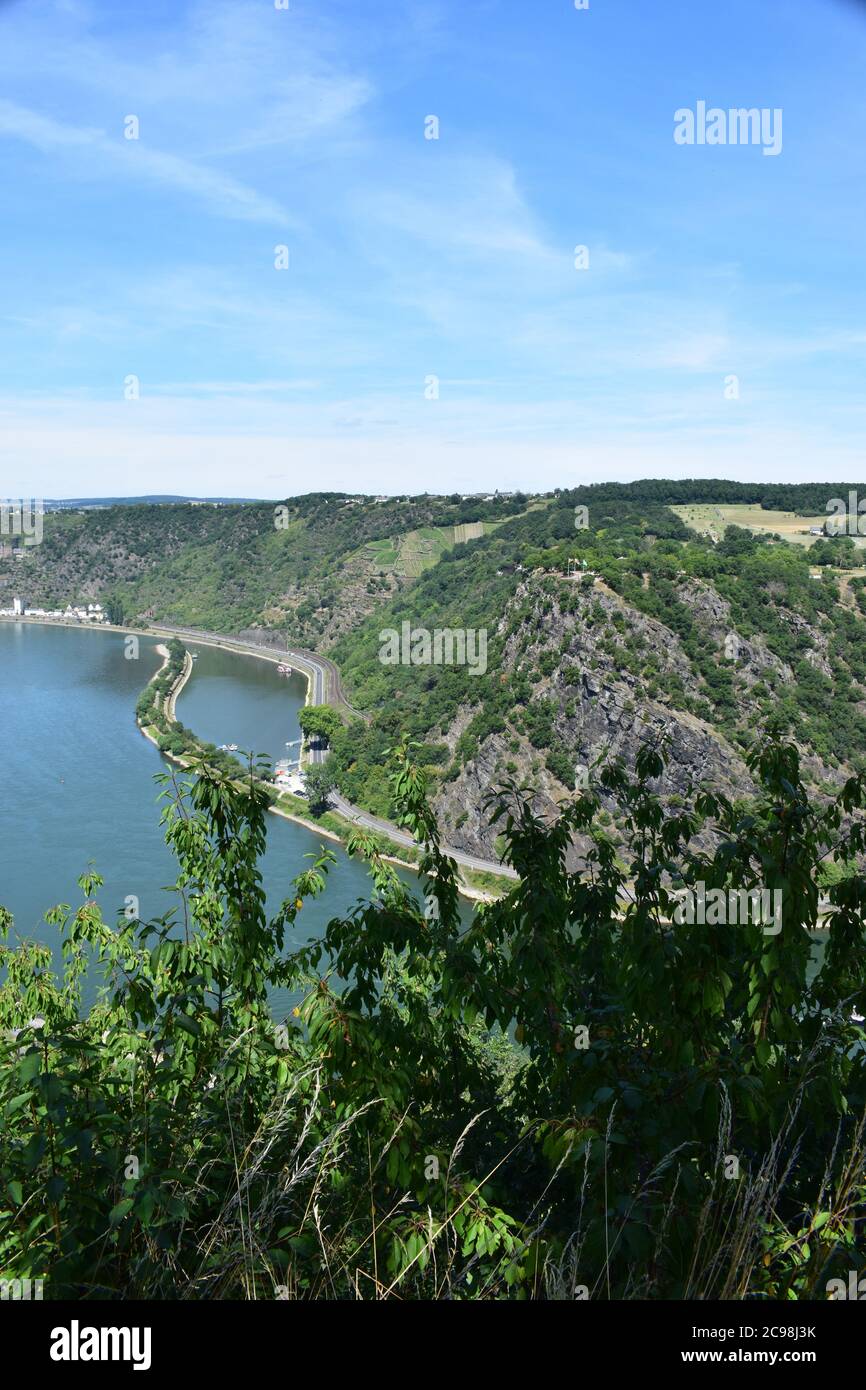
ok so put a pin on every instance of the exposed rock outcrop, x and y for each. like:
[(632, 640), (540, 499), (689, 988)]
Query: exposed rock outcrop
[(593, 658)]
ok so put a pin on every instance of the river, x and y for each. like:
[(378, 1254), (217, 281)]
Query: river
[(78, 784)]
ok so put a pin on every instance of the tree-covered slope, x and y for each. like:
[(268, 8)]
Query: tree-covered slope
[(308, 563), (655, 628), (603, 616)]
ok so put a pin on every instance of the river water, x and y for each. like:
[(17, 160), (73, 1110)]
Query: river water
[(78, 784)]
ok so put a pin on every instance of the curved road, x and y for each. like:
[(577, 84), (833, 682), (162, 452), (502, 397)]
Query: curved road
[(326, 687)]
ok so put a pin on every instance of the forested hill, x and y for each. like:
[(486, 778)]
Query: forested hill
[(231, 566), (803, 498), (608, 622), (659, 631), (312, 563)]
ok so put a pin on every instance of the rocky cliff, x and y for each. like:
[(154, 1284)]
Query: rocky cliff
[(609, 673)]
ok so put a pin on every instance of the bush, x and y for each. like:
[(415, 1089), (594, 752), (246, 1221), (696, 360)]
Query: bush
[(175, 1140)]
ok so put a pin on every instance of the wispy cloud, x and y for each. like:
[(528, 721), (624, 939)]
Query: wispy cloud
[(468, 205), (412, 257), (113, 157)]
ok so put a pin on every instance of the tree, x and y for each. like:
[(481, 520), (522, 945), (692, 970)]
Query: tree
[(569, 1087), (319, 781), (320, 721)]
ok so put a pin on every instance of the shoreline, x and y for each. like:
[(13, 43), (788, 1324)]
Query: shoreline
[(308, 672), (171, 698), (322, 674), (465, 890)]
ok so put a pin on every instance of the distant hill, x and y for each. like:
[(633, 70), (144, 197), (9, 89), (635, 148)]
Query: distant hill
[(331, 559), (59, 504)]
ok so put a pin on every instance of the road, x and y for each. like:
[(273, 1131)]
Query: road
[(326, 688), (400, 837)]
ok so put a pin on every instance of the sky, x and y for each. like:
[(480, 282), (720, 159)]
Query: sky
[(284, 285)]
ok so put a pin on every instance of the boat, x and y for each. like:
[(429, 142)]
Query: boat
[(283, 669)]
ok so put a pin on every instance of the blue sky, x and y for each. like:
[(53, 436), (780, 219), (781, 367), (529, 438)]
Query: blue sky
[(412, 258)]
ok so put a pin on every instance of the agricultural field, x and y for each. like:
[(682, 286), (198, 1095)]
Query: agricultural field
[(421, 549), (711, 520), (381, 553), (411, 554)]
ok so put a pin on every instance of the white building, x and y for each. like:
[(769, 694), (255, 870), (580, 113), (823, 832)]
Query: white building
[(18, 607)]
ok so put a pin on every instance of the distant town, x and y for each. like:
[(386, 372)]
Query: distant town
[(73, 613)]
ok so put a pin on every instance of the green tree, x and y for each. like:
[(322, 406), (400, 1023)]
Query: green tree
[(320, 722), (547, 1096), (319, 781)]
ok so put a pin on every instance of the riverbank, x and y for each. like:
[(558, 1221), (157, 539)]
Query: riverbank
[(287, 806), (324, 686), (151, 732), (491, 880)]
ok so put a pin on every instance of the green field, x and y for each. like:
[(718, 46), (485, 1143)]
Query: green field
[(416, 551), (711, 520)]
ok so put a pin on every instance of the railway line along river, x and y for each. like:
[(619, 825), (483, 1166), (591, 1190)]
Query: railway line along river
[(78, 775)]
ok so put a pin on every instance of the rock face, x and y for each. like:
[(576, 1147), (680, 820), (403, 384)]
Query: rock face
[(598, 706), (604, 671), (753, 661)]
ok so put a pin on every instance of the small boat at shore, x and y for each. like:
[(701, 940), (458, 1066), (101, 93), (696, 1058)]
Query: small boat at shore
[(283, 669)]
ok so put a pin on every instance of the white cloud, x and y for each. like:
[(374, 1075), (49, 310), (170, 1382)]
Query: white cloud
[(459, 205), (409, 257), (107, 157)]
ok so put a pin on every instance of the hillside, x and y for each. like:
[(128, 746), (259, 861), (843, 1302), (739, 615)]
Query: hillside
[(663, 634), (331, 560), (628, 626)]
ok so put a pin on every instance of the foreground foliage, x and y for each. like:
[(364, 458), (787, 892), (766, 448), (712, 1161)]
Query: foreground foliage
[(554, 1101)]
